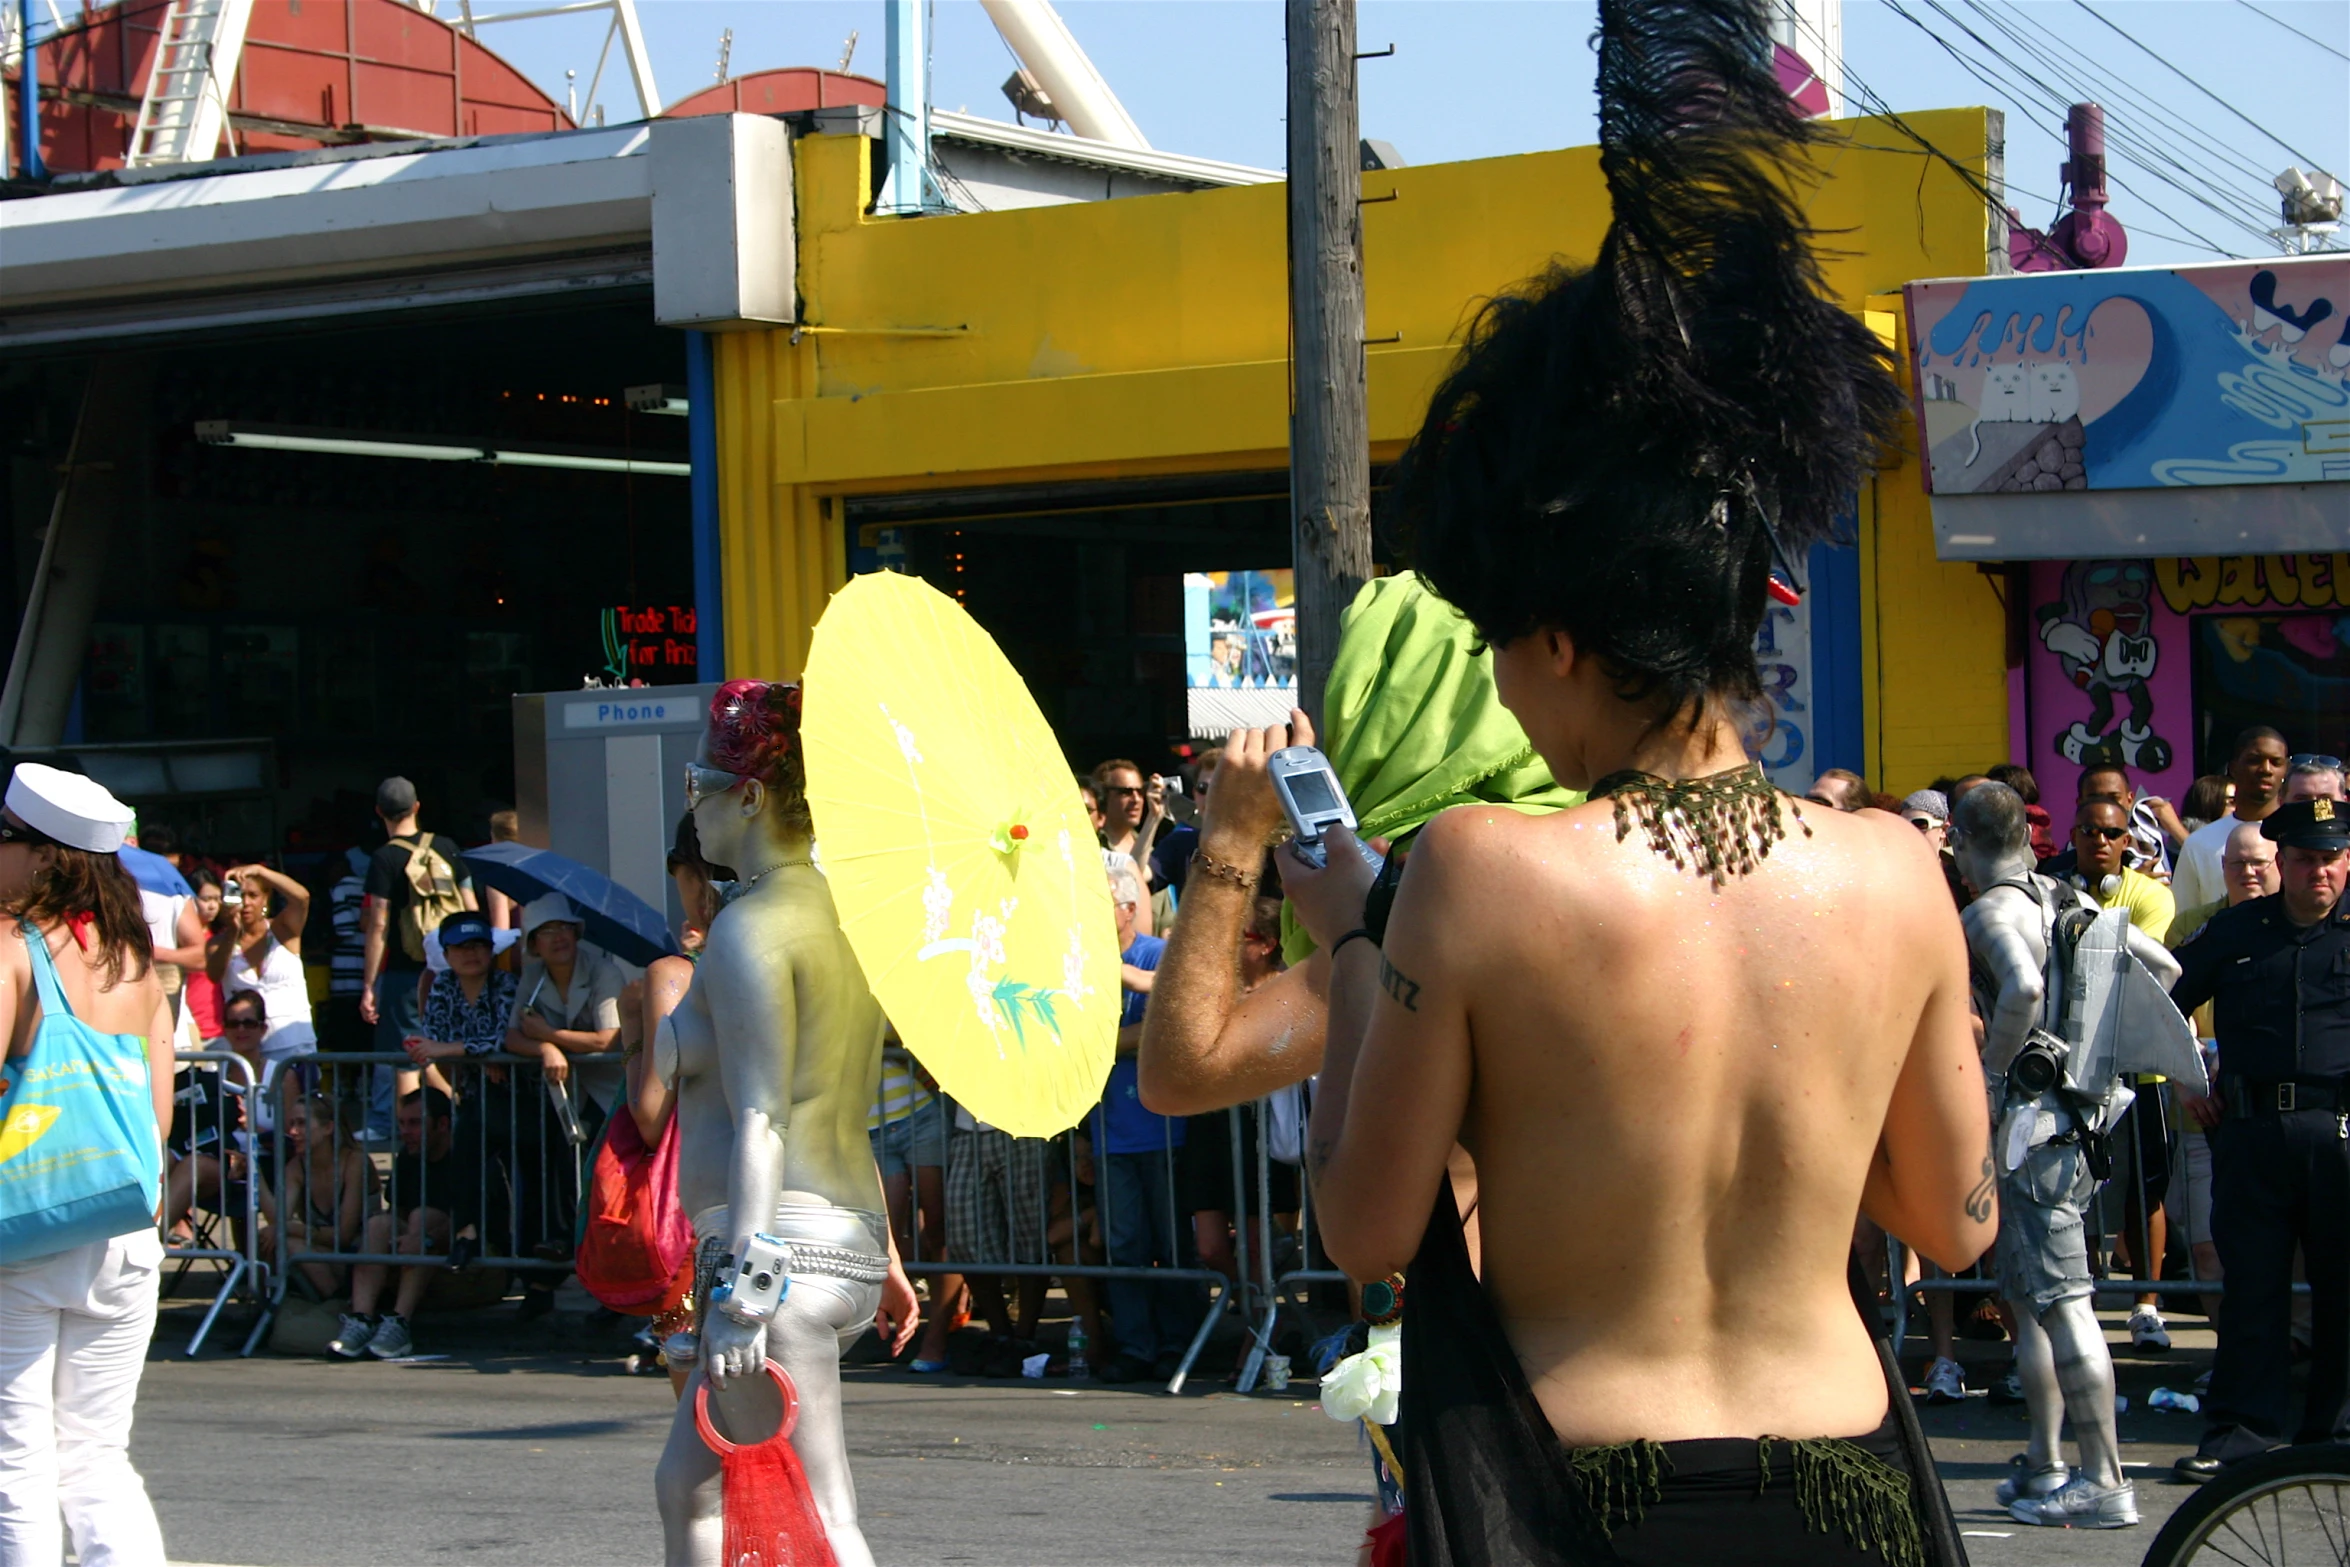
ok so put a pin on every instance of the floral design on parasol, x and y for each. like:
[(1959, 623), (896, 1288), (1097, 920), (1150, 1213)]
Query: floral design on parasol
[(959, 855)]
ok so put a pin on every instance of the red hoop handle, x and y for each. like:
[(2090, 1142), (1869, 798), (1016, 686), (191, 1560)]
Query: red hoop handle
[(720, 1445)]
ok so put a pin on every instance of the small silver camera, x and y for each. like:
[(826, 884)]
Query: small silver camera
[(750, 1289), (231, 895)]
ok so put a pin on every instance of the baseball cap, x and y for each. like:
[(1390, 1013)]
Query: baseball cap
[(68, 808), (395, 796), (464, 926), (2309, 824)]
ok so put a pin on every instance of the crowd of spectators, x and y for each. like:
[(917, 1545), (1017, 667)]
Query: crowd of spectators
[(2172, 866)]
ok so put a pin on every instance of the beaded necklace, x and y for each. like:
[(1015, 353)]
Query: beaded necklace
[(1720, 825)]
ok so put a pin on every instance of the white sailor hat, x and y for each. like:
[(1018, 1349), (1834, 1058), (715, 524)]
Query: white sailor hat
[(74, 810)]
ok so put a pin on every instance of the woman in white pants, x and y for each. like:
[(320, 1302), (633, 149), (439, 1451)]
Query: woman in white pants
[(74, 1322)]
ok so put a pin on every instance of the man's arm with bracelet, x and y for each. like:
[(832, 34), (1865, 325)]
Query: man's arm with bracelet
[(1204, 1046)]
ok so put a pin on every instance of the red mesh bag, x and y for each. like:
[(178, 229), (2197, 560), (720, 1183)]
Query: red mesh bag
[(770, 1514), (637, 1253)]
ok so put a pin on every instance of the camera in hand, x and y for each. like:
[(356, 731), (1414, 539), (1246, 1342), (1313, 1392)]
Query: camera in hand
[(231, 894), (2038, 1066)]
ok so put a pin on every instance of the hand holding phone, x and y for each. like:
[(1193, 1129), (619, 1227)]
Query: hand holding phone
[(1312, 799)]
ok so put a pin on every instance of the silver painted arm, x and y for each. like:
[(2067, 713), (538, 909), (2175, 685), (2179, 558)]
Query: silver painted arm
[(2003, 933)]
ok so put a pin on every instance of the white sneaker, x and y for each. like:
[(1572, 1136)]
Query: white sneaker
[(392, 1340), (2147, 1332), (2079, 1505), (1945, 1383), (2022, 1480), (351, 1342)]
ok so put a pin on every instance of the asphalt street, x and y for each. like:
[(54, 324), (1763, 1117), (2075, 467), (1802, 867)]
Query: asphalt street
[(543, 1452)]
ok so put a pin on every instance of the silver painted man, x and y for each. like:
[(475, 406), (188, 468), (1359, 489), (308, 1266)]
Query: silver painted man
[(2046, 1145), (777, 1048)]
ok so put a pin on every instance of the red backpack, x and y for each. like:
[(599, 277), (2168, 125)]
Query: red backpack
[(638, 1240)]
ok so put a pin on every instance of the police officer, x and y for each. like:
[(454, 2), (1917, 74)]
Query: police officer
[(2278, 969)]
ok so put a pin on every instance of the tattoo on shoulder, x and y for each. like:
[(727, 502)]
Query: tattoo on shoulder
[(1318, 1155), (1400, 985), (1978, 1201)]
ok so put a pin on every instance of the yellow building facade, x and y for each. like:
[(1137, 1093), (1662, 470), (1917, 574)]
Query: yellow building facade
[(991, 361)]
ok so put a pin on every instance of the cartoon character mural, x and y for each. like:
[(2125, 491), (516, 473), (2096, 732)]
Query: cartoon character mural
[(2101, 631)]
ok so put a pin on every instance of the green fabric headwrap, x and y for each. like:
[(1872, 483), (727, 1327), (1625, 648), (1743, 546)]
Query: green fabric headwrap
[(1413, 726)]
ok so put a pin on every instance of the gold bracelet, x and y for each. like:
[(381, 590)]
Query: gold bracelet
[(1223, 870)]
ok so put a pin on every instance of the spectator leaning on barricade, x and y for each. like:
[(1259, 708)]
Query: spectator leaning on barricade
[(215, 1145), (2256, 767), (2273, 967), (566, 1003), (995, 1201), (1135, 1152), (2103, 845), (330, 1188), (260, 950), (416, 880), (438, 1185), (79, 1256), (908, 1129), (2250, 865), (466, 1005)]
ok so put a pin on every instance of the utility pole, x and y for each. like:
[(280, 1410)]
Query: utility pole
[(1329, 422)]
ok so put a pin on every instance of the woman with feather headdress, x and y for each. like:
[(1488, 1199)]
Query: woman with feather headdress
[(1688, 1030)]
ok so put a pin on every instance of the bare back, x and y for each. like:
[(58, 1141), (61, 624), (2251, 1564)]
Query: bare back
[(1677, 1098)]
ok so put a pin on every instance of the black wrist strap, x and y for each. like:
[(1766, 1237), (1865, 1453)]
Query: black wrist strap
[(1339, 945)]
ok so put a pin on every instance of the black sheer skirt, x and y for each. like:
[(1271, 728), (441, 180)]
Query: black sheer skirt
[(1488, 1482)]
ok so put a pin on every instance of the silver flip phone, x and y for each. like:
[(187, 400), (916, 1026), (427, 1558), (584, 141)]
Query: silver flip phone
[(1310, 796)]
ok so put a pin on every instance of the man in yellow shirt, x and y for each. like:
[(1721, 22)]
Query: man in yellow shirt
[(2101, 852)]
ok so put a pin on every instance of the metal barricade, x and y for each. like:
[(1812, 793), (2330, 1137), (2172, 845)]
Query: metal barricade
[(1057, 1169), (518, 1161), (215, 1152)]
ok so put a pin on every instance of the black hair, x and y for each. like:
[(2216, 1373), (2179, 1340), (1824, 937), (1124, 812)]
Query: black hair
[(1624, 452), (1993, 813), (685, 853), (2248, 738), (2099, 770), (2017, 777), (244, 998), (159, 839), (2207, 798), (436, 1104)]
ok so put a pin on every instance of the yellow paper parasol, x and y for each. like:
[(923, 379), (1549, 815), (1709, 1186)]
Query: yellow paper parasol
[(966, 873)]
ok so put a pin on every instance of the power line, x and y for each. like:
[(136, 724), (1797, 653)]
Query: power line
[(2295, 31), (2059, 101), (2054, 99), (2199, 87)]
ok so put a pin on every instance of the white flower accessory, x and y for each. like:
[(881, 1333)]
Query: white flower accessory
[(1367, 1386)]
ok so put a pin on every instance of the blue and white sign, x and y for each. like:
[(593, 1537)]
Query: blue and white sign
[(623, 710)]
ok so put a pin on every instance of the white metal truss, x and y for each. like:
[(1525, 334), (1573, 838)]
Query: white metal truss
[(185, 109), (624, 28)]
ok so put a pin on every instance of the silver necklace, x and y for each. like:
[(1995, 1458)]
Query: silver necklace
[(756, 877)]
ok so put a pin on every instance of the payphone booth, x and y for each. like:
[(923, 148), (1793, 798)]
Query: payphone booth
[(600, 776)]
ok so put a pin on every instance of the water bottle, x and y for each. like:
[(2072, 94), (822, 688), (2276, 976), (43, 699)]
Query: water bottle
[(1079, 1368), (2184, 1403)]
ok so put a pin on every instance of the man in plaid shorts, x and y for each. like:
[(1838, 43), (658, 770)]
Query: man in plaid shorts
[(995, 1214)]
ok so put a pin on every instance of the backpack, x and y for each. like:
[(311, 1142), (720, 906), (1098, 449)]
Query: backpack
[(432, 895)]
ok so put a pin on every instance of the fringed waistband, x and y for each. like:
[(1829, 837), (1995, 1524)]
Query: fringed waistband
[(1852, 1485)]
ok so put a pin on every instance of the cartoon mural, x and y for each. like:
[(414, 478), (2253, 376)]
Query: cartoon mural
[(2135, 378), (2109, 677)]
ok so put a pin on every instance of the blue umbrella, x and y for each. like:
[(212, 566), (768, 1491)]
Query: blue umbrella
[(153, 872), (617, 920)]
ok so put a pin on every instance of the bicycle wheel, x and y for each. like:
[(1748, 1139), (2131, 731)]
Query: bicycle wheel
[(2289, 1506)]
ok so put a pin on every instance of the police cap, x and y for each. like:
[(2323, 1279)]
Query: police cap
[(2309, 824)]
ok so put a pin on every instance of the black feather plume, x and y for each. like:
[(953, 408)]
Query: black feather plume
[(1623, 450)]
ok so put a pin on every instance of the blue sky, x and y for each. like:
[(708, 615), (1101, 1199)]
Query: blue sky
[(1477, 78)]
